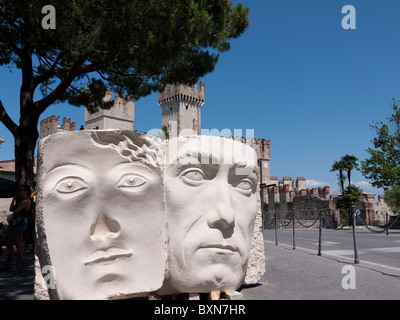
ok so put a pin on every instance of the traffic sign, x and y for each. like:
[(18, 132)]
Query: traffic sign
[(358, 212)]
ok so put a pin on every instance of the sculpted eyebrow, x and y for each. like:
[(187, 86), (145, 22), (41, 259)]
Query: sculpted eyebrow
[(243, 167), (66, 165), (202, 156)]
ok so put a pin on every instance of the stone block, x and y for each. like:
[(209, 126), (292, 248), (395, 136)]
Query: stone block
[(106, 197), (100, 214)]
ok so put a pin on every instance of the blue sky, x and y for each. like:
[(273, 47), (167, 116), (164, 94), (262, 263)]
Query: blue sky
[(295, 77)]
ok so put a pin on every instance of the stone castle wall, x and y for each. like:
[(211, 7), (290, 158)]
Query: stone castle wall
[(307, 203), (48, 125)]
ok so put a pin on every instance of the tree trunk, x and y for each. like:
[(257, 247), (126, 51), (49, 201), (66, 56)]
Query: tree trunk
[(341, 180), (25, 143), (348, 176), (25, 140), (26, 134)]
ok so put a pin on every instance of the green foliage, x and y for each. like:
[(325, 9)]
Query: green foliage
[(392, 197), (340, 167), (383, 165), (350, 163), (133, 47), (165, 130), (351, 194)]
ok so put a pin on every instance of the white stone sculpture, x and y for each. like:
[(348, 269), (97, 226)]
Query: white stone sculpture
[(107, 228), (100, 214), (211, 205)]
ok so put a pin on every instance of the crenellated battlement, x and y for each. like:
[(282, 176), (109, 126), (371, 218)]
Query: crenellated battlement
[(68, 125), (194, 93), (293, 184), (261, 146), (119, 101), (48, 125), (287, 190)]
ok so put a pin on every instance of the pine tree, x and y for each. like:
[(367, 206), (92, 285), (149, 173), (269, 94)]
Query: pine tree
[(132, 47)]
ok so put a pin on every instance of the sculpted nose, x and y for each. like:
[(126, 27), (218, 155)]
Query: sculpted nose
[(222, 216), (104, 227)]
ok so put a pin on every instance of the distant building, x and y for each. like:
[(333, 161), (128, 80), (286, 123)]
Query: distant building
[(180, 106), (7, 179), (50, 124), (120, 116)]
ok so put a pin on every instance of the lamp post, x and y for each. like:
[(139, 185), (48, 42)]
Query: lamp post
[(353, 213), (320, 231)]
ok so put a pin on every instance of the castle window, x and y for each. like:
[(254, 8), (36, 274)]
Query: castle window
[(187, 107), (170, 109)]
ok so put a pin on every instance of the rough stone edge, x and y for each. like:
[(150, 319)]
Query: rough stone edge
[(256, 264)]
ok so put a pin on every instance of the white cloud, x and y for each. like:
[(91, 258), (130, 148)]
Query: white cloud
[(315, 183), (334, 187), (363, 184), (366, 186)]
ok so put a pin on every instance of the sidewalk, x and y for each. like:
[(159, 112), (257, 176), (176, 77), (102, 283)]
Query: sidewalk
[(290, 275)]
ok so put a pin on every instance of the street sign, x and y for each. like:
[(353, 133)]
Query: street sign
[(358, 212)]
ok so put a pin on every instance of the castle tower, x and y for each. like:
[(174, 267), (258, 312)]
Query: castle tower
[(180, 106), (263, 150), (120, 116)]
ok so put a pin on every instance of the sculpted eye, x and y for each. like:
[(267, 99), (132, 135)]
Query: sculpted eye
[(131, 181), (244, 186), (71, 185), (193, 176)]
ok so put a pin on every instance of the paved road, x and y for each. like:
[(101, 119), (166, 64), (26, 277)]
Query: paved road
[(302, 275), (374, 248)]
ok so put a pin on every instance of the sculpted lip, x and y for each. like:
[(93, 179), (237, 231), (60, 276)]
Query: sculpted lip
[(106, 256), (220, 247)]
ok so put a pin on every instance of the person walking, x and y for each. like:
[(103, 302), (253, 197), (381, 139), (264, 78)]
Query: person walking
[(18, 222)]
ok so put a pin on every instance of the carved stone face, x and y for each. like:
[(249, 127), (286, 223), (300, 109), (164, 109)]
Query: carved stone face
[(103, 214), (211, 204)]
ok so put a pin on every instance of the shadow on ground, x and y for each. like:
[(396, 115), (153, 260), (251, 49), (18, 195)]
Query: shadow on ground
[(18, 285)]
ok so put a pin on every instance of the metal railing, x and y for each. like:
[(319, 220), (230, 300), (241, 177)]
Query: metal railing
[(278, 223)]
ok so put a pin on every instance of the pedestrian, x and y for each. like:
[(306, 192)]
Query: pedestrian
[(29, 235), (1, 239), (18, 221)]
